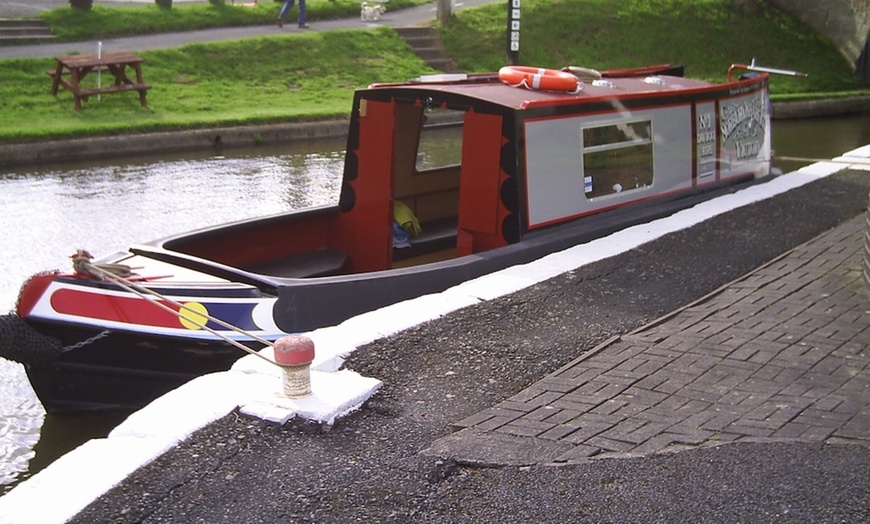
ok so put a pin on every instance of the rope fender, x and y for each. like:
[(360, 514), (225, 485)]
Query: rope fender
[(21, 343)]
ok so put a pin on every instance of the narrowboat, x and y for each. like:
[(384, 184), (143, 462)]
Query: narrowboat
[(531, 161)]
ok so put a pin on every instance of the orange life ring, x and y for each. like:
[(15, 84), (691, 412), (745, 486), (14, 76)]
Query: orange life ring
[(538, 78)]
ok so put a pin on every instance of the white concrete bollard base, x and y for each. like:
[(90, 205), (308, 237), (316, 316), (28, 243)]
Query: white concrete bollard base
[(296, 381)]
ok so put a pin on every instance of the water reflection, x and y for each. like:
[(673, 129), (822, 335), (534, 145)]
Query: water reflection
[(50, 211), (817, 138), (21, 418)]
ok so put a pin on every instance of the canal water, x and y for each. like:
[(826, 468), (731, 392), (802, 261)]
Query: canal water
[(49, 211)]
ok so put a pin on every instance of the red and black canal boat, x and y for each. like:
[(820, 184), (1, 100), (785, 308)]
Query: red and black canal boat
[(532, 162)]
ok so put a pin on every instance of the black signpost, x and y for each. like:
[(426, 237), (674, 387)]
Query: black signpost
[(513, 32)]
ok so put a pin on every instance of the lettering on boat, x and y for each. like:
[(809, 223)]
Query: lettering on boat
[(742, 123), (706, 138)]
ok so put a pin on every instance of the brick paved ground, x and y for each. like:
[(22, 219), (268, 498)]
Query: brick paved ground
[(781, 354)]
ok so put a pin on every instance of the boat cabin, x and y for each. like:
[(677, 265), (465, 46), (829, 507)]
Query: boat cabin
[(482, 174), (481, 164)]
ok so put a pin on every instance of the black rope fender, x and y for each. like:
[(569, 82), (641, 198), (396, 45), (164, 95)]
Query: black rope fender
[(22, 343)]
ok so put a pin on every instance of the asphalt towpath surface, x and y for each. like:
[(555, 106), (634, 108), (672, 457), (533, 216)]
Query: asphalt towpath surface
[(409, 17), (717, 374)]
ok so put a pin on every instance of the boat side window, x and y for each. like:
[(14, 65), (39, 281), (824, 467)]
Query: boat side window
[(617, 157), (440, 144)]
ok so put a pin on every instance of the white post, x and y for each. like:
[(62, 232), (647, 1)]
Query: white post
[(99, 73), (444, 10)]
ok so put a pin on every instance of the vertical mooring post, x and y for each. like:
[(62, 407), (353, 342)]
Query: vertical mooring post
[(513, 31), (294, 353)]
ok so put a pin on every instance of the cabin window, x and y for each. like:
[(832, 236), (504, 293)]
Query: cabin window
[(617, 157), (440, 144)]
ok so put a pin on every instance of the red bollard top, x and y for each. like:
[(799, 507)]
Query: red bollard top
[(294, 350)]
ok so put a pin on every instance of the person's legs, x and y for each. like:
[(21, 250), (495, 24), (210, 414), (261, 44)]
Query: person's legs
[(301, 18), (288, 4)]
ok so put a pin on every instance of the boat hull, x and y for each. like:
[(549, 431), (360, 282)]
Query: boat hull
[(96, 378), (531, 172), (125, 368), (120, 350)]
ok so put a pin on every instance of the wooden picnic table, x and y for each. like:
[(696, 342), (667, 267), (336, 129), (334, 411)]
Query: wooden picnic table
[(76, 67)]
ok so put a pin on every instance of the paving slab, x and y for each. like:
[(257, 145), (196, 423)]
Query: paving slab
[(779, 355)]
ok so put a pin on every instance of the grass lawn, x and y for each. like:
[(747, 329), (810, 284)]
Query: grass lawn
[(310, 76), (103, 22), (259, 80), (704, 35)]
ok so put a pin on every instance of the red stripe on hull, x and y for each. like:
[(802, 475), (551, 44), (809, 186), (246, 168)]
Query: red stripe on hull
[(113, 308)]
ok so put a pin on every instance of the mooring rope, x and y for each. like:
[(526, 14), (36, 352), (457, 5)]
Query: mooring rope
[(839, 160), (83, 265)]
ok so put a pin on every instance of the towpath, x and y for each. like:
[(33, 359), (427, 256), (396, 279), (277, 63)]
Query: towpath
[(780, 354), (596, 396), (410, 17)]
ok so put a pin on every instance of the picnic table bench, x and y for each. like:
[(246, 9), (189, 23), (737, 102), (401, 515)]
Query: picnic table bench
[(76, 67)]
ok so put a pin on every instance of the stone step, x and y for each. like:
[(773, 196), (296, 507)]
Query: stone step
[(25, 39), (410, 32), (427, 53), (419, 39), (25, 30), (427, 45), (14, 31)]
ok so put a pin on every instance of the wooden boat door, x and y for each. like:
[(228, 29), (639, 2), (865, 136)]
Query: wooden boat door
[(426, 181), (481, 210), (364, 230)]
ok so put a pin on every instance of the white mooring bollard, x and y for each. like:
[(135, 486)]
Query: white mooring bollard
[(294, 354)]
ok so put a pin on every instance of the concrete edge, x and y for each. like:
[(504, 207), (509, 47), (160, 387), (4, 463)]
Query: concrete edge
[(820, 108), (42, 152), (168, 141)]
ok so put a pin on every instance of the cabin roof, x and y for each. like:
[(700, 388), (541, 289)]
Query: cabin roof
[(489, 89)]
